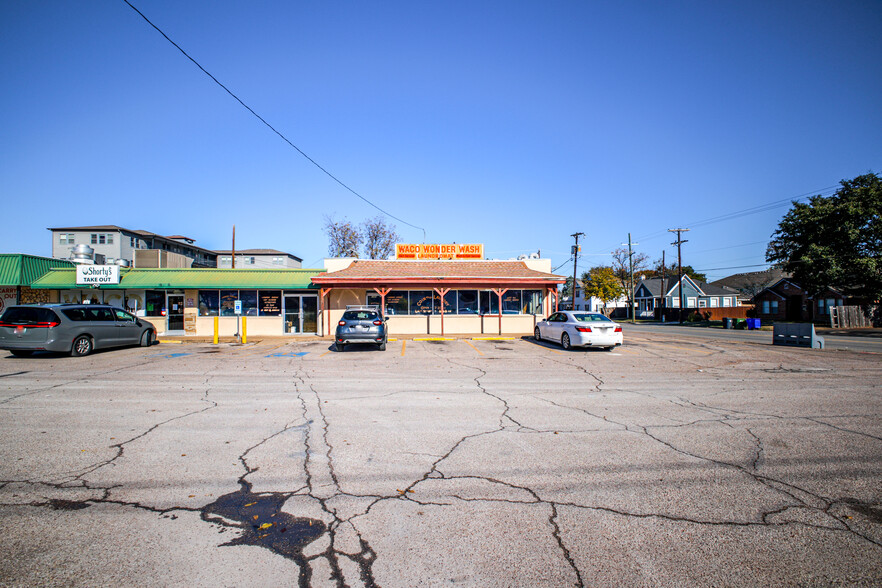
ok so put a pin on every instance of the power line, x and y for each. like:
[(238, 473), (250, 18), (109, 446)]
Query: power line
[(272, 128)]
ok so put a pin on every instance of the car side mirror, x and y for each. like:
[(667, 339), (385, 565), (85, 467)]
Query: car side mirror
[(385, 318), (139, 323)]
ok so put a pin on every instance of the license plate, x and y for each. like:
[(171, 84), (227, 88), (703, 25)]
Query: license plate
[(20, 330)]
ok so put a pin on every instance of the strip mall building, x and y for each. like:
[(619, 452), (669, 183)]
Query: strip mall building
[(427, 290)]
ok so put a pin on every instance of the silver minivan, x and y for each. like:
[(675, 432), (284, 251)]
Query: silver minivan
[(77, 329)]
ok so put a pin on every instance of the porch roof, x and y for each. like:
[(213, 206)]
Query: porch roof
[(205, 278), (368, 273)]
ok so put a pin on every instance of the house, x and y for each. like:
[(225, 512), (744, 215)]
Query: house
[(112, 242), (786, 300), (258, 259), (749, 284), (653, 294), (594, 304)]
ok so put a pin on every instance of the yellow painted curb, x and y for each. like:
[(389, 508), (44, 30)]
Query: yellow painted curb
[(434, 339), (393, 340), (168, 341), (493, 338)]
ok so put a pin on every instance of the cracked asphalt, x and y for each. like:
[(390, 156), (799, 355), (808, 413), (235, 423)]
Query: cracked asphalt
[(669, 462)]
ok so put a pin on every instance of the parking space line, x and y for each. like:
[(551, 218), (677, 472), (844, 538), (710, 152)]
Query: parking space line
[(626, 350), (324, 354), (403, 346), (473, 347), (687, 349)]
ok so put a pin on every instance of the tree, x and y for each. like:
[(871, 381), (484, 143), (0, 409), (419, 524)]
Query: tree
[(622, 266), (834, 241), (601, 282), (343, 238), (379, 238)]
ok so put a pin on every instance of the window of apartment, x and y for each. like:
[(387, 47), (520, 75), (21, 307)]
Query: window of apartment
[(690, 301), (94, 238), (278, 261), (714, 302), (727, 301), (102, 238), (66, 238), (675, 302), (226, 259), (702, 303), (110, 238)]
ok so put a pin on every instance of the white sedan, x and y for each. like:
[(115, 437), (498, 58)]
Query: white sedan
[(580, 329)]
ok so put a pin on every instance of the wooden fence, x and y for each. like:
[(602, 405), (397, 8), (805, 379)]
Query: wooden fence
[(852, 317)]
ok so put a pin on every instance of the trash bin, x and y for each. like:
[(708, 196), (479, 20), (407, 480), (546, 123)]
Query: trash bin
[(753, 324), (728, 323)]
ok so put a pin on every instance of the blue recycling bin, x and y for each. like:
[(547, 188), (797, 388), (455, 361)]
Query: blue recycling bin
[(753, 324)]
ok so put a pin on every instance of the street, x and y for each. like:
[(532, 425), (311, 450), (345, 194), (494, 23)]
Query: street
[(673, 460)]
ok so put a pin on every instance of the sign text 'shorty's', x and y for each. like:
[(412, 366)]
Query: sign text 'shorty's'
[(97, 274), (439, 251)]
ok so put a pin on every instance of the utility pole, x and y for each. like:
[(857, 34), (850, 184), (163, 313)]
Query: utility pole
[(631, 277), (234, 247), (664, 283), (678, 243), (575, 259)]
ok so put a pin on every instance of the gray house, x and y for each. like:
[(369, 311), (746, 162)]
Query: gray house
[(258, 258), (654, 293), (114, 242)]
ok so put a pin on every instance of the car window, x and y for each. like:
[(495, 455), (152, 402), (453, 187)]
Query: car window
[(122, 315), (359, 315), (24, 315), (98, 314), (74, 314), (591, 318)]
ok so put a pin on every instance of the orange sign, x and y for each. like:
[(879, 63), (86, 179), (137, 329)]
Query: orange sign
[(439, 251)]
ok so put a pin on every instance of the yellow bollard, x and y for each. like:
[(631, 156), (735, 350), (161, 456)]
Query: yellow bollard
[(244, 329), (215, 330)]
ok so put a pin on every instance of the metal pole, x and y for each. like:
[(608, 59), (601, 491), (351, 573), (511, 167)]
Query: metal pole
[(575, 259), (663, 299), (631, 278), (678, 243)]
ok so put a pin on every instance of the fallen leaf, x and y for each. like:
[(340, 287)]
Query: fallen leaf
[(266, 525), (251, 504), (183, 455), (194, 496), (254, 517)]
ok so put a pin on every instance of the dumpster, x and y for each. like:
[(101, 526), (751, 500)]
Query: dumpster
[(728, 323), (753, 324)]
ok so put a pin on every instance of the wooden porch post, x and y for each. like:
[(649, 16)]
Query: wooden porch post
[(441, 292), (382, 292), (499, 292), (322, 293)]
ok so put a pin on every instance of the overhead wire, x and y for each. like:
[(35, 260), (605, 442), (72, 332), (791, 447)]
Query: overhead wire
[(272, 128)]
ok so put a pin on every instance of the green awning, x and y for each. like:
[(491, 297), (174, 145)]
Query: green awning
[(17, 269), (180, 279)]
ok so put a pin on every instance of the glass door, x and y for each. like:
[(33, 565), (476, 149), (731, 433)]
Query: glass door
[(292, 314), (175, 312), (310, 314)]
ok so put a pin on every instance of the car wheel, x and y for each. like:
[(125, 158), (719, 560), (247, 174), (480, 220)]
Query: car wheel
[(82, 345), (608, 348), (537, 335), (341, 347), (22, 352), (147, 339), (382, 345), (565, 341)]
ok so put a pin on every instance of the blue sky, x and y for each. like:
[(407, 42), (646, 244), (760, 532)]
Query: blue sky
[(513, 124)]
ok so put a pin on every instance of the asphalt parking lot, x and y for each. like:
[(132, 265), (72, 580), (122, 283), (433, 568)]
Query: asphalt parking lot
[(668, 462)]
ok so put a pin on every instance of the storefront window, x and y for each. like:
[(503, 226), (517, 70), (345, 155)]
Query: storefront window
[(489, 302), (449, 302), (209, 302), (511, 302), (467, 301), (397, 303), (532, 302), (249, 302), (421, 301), (228, 302), (154, 302), (270, 302)]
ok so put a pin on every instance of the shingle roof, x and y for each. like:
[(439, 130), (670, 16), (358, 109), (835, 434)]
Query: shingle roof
[(756, 280), (401, 270)]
